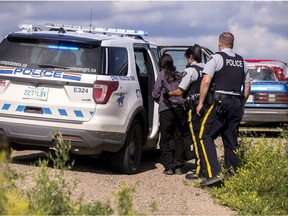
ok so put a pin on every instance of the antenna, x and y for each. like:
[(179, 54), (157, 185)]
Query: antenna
[(90, 21)]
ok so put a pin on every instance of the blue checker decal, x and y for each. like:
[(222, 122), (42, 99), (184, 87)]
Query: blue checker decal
[(62, 112), (78, 113), (6, 106), (47, 111), (20, 108)]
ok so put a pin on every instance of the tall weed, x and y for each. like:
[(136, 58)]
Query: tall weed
[(52, 194), (260, 186)]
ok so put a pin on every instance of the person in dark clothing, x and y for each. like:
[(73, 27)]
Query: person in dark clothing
[(227, 73), (172, 116), (190, 86)]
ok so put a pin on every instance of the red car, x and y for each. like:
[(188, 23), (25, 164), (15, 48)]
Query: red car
[(280, 68)]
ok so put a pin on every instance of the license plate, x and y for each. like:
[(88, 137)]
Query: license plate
[(36, 93), (250, 99)]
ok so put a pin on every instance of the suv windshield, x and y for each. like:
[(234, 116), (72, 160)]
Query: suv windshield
[(74, 57)]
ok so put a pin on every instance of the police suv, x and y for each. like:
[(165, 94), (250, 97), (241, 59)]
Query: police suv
[(92, 84)]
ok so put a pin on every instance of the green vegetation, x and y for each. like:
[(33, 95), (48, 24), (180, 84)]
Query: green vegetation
[(51, 194), (260, 186)]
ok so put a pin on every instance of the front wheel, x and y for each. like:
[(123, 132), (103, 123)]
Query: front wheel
[(128, 159)]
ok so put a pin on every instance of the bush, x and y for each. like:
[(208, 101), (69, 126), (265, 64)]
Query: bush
[(124, 200), (11, 201), (260, 186), (51, 194)]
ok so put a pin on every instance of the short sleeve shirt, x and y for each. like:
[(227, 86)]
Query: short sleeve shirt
[(190, 76), (216, 63)]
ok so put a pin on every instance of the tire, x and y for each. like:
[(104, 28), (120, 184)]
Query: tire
[(128, 159)]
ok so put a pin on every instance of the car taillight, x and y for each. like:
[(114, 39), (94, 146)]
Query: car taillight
[(102, 90), (271, 98)]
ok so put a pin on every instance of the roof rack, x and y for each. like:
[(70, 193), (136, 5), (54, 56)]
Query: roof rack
[(78, 28)]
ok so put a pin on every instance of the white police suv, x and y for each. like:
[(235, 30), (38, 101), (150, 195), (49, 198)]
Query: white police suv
[(92, 84)]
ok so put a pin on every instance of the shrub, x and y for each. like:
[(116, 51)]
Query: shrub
[(124, 200), (260, 186), (11, 201), (51, 194)]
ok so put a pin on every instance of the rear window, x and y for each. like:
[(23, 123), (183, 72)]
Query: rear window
[(264, 74), (75, 57)]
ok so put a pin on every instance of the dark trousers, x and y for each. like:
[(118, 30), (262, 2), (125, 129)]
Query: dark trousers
[(226, 125), (194, 122), (172, 124)]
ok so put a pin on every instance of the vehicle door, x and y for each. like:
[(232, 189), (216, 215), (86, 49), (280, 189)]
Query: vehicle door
[(146, 68)]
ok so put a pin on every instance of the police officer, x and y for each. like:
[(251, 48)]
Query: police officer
[(190, 87), (226, 72)]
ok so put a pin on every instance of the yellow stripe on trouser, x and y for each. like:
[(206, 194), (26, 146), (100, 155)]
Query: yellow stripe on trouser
[(202, 143), (194, 141)]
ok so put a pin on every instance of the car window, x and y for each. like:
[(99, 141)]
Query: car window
[(178, 58), (262, 74), (117, 61), (53, 55)]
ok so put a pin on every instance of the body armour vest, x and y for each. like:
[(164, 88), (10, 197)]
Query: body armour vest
[(230, 77), (195, 86)]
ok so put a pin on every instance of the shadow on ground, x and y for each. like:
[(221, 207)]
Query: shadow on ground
[(86, 164)]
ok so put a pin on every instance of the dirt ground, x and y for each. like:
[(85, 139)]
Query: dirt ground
[(155, 193)]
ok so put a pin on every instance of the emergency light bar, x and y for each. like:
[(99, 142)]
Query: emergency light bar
[(27, 27), (97, 30)]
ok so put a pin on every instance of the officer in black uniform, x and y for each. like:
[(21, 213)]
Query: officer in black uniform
[(190, 88), (226, 72)]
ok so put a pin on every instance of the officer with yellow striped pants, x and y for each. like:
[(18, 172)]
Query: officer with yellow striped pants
[(227, 73), (189, 87)]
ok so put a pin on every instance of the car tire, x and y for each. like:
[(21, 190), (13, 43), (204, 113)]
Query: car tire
[(128, 159)]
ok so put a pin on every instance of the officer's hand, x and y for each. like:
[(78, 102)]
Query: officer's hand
[(166, 96), (198, 109)]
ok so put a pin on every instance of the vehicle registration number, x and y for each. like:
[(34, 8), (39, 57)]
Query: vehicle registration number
[(36, 93), (250, 99)]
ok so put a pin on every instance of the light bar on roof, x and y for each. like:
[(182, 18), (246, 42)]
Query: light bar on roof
[(97, 30), (27, 27), (63, 47)]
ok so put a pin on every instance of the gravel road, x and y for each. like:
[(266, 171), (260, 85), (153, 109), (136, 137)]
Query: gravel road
[(156, 193)]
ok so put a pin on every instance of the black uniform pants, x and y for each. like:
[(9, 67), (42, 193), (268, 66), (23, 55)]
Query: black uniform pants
[(226, 125), (172, 123), (194, 122)]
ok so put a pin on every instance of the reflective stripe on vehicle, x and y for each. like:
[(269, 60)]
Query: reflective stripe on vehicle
[(49, 111)]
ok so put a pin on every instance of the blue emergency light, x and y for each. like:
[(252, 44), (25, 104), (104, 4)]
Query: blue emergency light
[(63, 47)]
